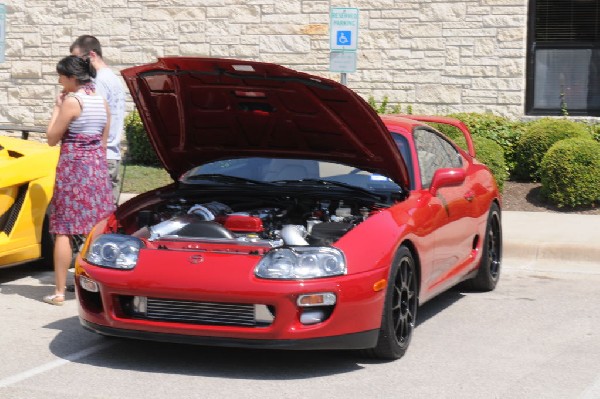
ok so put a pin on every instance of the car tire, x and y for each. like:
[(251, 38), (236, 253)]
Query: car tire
[(77, 242), (400, 309), (488, 272), (47, 244)]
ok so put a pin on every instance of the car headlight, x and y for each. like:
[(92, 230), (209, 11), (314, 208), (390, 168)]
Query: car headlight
[(301, 263), (114, 250)]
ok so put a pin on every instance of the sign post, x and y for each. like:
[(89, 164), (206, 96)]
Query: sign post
[(343, 40), (2, 31)]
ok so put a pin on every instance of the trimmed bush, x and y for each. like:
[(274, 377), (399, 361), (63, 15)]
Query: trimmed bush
[(139, 149), (570, 173), (539, 136), (491, 154), (595, 132)]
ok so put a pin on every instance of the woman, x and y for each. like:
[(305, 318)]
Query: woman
[(82, 192)]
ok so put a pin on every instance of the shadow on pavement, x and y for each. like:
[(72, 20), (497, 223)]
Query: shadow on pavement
[(30, 269), (147, 356), (36, 281), (239, 363)]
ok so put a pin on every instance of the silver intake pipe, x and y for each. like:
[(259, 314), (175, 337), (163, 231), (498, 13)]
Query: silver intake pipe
[(293, 234)]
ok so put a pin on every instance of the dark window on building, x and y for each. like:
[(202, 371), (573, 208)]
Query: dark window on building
[(563, 74)]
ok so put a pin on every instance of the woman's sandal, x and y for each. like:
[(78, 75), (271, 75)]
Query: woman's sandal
[(55, 299)]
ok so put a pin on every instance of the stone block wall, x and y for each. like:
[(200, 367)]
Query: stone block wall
[(436, 56)]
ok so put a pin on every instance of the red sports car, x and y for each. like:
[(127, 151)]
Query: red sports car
[(298, 217)]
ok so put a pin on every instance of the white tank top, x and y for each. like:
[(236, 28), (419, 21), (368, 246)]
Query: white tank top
[(93, 115)]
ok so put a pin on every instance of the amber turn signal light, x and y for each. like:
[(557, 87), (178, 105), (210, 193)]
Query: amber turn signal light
[(378, 286)]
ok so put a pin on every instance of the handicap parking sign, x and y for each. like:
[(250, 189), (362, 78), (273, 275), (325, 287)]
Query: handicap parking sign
[(344, 38), (343, 29)]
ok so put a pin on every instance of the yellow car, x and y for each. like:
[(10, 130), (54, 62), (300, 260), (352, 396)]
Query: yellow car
[(27, 170)]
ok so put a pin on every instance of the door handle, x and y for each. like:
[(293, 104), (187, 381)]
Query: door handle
[(469, 196)]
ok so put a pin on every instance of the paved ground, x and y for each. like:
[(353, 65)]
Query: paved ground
[(537, 335)]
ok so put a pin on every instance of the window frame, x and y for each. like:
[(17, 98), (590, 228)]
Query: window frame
[(421, 162), (532, 47)]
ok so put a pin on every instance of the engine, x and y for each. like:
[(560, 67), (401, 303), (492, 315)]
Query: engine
[(291, 222)]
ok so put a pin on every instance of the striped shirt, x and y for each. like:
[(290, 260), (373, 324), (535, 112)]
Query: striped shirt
[(93, 115)]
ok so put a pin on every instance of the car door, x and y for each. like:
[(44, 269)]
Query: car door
[(27, 172), (450, 207)]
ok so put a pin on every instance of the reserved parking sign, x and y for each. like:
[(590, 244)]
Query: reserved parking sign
[(343, 29)]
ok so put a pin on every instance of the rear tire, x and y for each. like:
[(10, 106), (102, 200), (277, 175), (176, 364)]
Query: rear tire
[(488, 273), (400, 309)]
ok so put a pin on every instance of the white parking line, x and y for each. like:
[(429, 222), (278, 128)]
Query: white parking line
[(592, 391), (52, 365)]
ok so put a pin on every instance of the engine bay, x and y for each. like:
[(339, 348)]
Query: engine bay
[(254, 220)]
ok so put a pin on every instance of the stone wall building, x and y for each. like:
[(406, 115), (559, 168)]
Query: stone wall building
[(438, 57)]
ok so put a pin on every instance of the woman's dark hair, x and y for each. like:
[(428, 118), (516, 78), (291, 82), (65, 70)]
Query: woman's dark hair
[(78, 67)]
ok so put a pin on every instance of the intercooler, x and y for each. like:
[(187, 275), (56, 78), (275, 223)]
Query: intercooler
[(200, 313)]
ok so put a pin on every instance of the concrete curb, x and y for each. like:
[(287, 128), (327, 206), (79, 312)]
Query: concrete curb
[(561, 252), (549, 236)]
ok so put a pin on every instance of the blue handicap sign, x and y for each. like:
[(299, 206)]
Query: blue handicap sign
[(344, 37)]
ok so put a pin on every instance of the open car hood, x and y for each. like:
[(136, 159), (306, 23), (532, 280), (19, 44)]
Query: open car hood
[(198, 110)]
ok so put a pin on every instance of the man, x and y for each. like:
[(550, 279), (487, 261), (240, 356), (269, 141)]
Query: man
[(110, 87)]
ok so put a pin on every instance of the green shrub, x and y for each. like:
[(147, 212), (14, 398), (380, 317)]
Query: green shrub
[(492, 155), (452, 132), (595, 130), (570, 173), (538, 137), (384, 108), (139, 149)]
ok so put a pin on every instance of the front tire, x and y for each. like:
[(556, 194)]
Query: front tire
[(77, 242), (400, 309), (47, 244)]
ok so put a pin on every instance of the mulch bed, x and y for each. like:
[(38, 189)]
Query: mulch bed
[(526, 197)]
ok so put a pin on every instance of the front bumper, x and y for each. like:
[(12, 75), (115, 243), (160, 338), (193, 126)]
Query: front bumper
[(228, 283), (361, 340)]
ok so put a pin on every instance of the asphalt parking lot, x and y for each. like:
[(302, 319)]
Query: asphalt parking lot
[(537, 335)]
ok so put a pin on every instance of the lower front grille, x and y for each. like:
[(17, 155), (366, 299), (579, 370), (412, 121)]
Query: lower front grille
[(200, 313)]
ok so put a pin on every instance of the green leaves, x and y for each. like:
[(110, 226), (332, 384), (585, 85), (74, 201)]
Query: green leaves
[(383, 107), (539, 136), (139, 149), (570, 173)]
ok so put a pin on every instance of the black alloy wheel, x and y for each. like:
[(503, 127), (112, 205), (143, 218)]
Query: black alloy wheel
[(400, 309), (494, 248), (488, 274)]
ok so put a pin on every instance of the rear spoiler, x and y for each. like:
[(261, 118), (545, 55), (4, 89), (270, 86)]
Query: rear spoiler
[(447, 121)]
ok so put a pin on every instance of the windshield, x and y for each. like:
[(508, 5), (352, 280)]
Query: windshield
[(283, 169)]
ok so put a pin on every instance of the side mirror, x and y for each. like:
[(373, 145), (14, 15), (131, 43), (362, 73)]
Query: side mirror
[(446, 177)]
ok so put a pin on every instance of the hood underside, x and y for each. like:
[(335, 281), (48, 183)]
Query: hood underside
[(198, 110)]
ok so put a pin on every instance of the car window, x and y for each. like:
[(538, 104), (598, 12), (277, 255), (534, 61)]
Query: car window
[(434, 152), (402, 144)]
